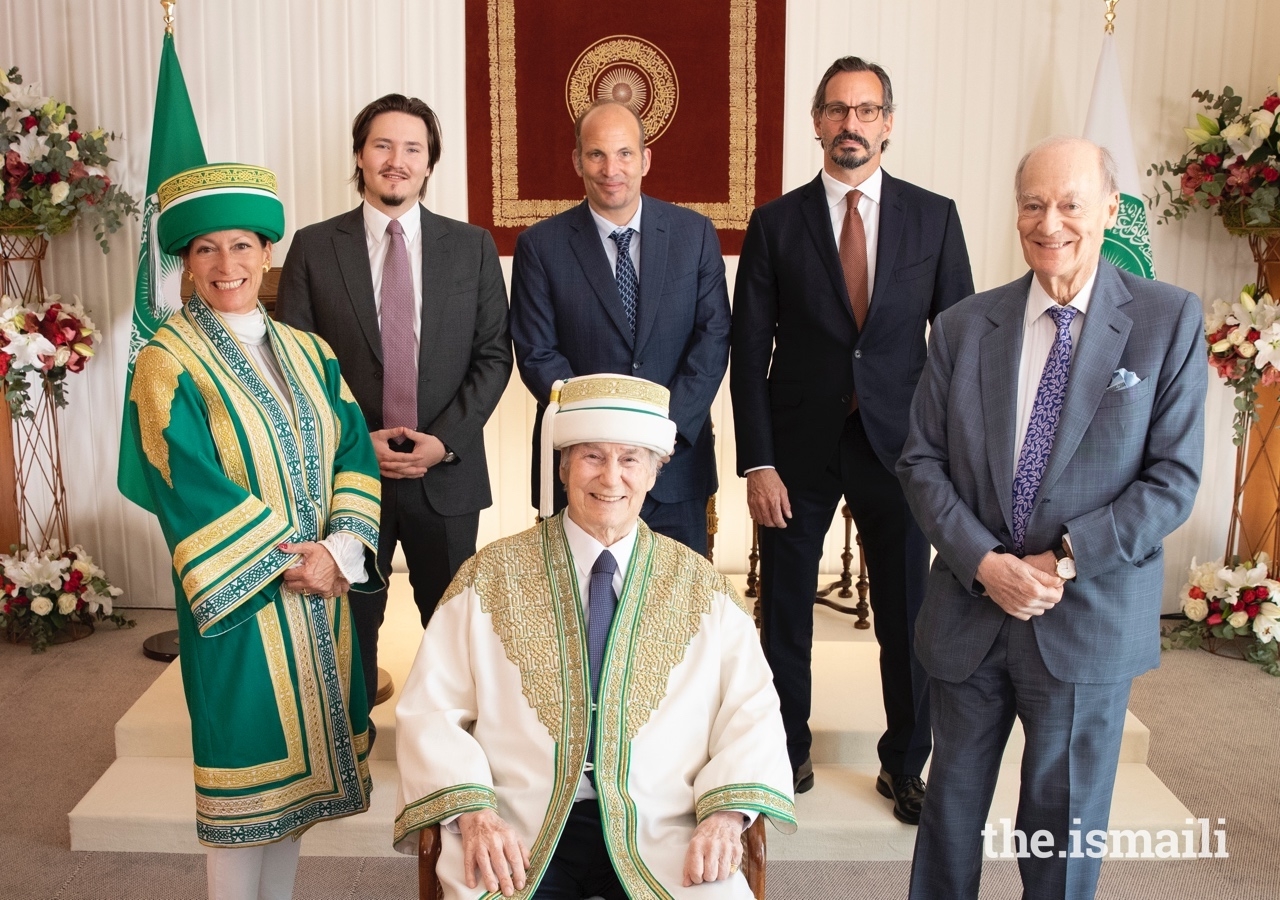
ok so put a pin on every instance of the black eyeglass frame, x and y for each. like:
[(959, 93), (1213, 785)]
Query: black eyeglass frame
[(828, 111)]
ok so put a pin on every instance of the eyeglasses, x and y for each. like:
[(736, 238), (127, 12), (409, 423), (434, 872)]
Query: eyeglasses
[(838, 112)]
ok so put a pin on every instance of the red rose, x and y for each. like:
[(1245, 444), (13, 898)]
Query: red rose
[(1214, 619), (1196, 592), (1262, 592), (1237, 606), (1251, 610), (1271, 103), (30, 122), (1213, 160), (1247, 595), (73, 581), (39, 178), (73, 136), (1270, 174), (1253, 334), (54, 177)]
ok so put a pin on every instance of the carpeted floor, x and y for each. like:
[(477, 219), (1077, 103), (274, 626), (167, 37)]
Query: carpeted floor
[(1215, 727)]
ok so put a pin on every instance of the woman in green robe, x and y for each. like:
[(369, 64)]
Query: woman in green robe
[(261, 472)]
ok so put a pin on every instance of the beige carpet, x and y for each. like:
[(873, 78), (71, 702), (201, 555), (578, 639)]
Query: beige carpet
[(1215, 737)]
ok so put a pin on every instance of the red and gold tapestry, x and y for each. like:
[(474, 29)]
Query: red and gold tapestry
[(705, 77)]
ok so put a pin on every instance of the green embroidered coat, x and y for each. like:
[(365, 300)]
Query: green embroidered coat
[(272, 678)]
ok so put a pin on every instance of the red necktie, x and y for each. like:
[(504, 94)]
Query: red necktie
[(853, 260), (399, 344)]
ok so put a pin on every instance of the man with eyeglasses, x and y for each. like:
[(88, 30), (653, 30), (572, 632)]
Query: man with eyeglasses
[(836, 284)]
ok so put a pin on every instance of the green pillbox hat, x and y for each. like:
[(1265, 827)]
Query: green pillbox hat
[(218, 197)]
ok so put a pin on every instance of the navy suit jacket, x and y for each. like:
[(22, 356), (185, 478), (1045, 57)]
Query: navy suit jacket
[(1122, 474), (797, 353), (567, 319)]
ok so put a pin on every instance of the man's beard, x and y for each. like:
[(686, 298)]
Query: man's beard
[(395, 201), (849, 159)]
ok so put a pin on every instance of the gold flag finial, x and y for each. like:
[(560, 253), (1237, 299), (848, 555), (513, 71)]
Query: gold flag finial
[(168, 14), (1110, 16)]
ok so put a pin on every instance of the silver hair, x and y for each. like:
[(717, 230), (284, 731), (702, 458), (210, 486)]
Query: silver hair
[(1108, 171)]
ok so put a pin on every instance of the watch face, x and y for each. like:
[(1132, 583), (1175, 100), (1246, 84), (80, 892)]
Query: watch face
[(1066, 567)]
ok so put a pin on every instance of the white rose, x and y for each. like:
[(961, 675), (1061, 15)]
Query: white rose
[(81, 566), (1246, 349), (42, 606), (1238, 334), (62, 356), (73, 152), (1238, 620), (1265, 627), (66, 603), (58, 192), (1195, 609)]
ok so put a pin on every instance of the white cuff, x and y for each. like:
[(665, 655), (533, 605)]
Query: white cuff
[(757, 469), (348, 553)]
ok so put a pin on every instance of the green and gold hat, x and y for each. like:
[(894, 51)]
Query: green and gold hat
[(218, 197)]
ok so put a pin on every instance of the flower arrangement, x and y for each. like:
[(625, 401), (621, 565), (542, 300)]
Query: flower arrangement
[(1244, 349), (1232, 166), (42, 342), (1224, 602), (43, 594), (53, 170)]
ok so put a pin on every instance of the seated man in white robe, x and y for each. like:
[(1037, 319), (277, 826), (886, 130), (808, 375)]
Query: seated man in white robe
[(590, 713)]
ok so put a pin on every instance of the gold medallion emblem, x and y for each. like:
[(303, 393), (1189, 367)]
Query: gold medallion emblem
[(630, 70)]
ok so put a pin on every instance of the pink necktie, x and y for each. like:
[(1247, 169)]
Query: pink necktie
[(399, 346), (853, 260)]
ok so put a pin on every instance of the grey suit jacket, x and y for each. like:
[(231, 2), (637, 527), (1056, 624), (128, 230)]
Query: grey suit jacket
[(464, 360), (1123, 473)]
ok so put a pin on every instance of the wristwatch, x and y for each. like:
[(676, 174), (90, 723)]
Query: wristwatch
[(1066, 567)]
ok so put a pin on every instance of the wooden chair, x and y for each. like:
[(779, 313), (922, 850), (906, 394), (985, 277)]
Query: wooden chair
[(753, 860)]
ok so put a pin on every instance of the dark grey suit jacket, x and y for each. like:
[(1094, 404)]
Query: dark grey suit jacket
[(1123, 473), (567, 319), (464, 360)]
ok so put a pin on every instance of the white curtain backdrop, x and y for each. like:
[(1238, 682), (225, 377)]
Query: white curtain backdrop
[(976, 81)]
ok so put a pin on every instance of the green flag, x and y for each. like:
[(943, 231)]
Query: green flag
[(175, 145), (1128, 244)]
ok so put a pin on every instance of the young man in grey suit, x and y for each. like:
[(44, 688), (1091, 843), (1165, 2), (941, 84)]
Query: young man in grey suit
[(1056, 439), (626, 283), (837, 282), (415, 308)]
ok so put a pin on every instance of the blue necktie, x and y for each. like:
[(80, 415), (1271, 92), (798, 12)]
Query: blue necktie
[(601, 603), (1043, 427), (628, 281)]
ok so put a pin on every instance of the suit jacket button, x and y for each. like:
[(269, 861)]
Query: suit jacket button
[(635, 365), (845, 399), (377, 374), (857, 354)]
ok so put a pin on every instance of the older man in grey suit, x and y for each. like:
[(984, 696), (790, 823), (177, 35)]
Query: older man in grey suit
[(1056, 439)]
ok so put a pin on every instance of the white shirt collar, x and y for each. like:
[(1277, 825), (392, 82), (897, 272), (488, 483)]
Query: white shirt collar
[(376, 222), (837, 190), (1038, 299), (586, 549), (606, 228), (249, 328)]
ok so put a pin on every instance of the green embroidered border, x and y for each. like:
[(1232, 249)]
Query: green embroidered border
[(758, 797), (451, 801)]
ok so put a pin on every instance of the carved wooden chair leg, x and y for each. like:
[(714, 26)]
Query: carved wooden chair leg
[(753, 857), (753, 579), (713, 528), (862, 608), (428, 855)]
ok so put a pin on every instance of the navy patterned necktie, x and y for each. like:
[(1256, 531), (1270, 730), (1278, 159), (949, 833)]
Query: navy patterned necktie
[(601, 603), (1043, 427), (399, 345), (628, 281)]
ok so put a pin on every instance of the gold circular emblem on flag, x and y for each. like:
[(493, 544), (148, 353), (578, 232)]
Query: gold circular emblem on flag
[(630, 70)]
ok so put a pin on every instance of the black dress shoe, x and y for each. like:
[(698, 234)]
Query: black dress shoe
[(907, 794), (804, 776)]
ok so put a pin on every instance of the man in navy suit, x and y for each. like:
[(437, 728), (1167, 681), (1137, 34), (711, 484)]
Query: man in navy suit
[(836, 284), (1056, 439), (629, 284)]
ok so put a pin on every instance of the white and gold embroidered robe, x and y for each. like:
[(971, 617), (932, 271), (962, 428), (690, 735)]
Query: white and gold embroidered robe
[(494, 712)]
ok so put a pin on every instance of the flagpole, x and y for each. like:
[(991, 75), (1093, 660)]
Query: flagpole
[(1109, 17)]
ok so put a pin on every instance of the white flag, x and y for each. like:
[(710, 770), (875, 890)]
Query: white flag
[(1128, 244)]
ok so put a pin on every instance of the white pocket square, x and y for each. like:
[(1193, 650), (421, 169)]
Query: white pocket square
[(1122, 379)]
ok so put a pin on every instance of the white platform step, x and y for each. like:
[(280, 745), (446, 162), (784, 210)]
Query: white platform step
[(145, 802)]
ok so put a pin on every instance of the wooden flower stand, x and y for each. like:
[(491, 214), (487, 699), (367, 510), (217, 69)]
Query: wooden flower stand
[(1255, 507)]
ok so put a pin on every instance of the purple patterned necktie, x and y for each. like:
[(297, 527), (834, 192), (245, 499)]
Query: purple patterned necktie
[(601, 603), (1043, 427), (628, 281), (399, 345)]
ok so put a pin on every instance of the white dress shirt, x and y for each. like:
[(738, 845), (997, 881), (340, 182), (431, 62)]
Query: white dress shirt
[(250, 329), (868, 208), (1038, 333), (376, 242), (606, 228)]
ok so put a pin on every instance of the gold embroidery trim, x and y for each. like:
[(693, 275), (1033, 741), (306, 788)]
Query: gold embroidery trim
[(155, 381), (595, 388), (282, 685), (441, 805), (511, 210), (223, 566), (759, 797), (217, 531), (212, 177)]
